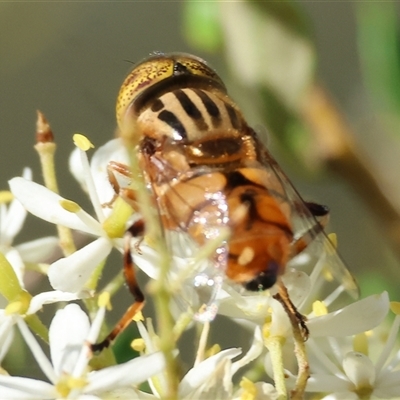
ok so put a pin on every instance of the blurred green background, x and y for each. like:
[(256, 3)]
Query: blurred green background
[(68, 60)]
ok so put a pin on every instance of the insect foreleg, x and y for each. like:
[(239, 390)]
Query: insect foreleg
[(127, 194), (137, 229)]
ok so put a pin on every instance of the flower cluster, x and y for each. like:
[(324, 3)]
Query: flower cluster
[(344, 356)]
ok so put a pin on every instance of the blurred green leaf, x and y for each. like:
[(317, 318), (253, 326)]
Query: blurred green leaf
[(372, 283), (289, 14), (201, 26), (122, 347), (378, 34)]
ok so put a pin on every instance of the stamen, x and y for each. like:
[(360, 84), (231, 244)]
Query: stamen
[(138, 345), (249, 389), (82, 142), (70, 206), (333, 238), (104, 301), (75, 208), (5, 196), (212, 351), (76, 383), (395, 307), (202, 343), (319, 308), (360, 343), (13, 308), (138, 317)]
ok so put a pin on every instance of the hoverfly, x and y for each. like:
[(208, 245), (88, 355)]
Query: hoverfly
[(203, 163)]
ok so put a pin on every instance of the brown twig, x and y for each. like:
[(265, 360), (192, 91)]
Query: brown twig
[(338, 150)]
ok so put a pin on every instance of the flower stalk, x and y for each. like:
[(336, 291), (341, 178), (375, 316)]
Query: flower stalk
[(46, 148), (159, 289)]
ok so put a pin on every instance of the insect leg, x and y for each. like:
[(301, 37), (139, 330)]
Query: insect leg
[(295, 317), (137, 229), (126, 193), (300, 335)]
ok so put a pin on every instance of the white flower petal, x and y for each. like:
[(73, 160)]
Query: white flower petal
[(327, 383), (76, 168), (298, 284), (53, 296), (202, 372), (147, 261), (254, 308), (70, 274), (38, 250), (17, 388), (113, 150), (360, 316), (127, 394), (389, 379), (67, 333), (359, 369), (388, 385), (218, 386), (280, 324), (45, 204), (341, 396), (6, 333), (254, 351), (13, 222), (132, 372)]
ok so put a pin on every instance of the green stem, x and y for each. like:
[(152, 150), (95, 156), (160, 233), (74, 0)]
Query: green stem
[(160, 288), (274, 345)]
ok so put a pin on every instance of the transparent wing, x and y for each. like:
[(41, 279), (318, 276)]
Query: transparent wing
[(320, 258)]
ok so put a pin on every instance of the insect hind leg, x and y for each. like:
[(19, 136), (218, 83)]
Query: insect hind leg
[(294, 315), (137, 229)]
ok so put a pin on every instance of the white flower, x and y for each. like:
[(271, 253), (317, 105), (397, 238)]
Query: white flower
[(69, 333), (21, 304), (70, 273), (355, 318), (210, 378), (12, 218), (342, 366)]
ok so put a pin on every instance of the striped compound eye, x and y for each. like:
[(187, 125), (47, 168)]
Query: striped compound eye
[(161, 73)]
